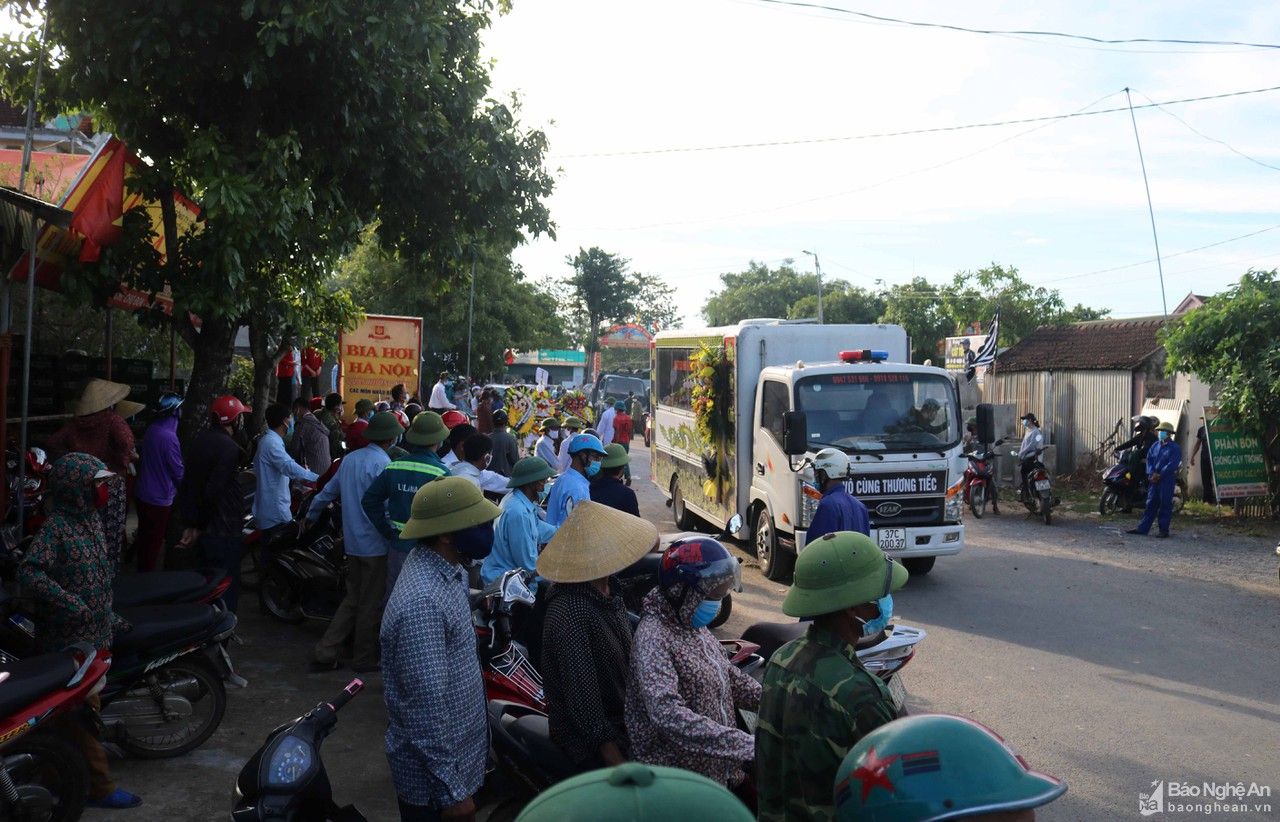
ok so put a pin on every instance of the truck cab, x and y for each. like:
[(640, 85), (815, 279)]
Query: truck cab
[(901, 428)]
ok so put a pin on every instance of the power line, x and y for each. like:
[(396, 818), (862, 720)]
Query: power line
[(908, 132), (1199, 133), (1015, 32)]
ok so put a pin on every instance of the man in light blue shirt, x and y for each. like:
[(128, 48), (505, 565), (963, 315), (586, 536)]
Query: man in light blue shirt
[(273, 468), (365, 546), (574, 486), (521, 528)]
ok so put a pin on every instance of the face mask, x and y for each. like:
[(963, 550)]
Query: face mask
[(705, 612), (288, 431), (593, 468), (1026, 424), (101, 494), (1163, 435), (474, 543), (875, 626), (544, 493)]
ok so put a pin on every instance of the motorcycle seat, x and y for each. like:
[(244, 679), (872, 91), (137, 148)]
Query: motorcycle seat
[(771, 636), (534, 733), (32, 679), (156, 588), (157, 625)]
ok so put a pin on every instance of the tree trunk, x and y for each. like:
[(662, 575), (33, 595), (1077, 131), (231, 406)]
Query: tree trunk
[(264, 361), (212, 346)]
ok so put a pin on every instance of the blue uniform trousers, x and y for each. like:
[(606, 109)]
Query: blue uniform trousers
[(1159, 499)]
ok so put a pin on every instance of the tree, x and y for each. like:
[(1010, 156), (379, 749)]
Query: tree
[(1210, 341), (918, 306), (974, 295), (655, 303), (759, 291), (599, 291), (510, 312), (841, 303), (292, 118)]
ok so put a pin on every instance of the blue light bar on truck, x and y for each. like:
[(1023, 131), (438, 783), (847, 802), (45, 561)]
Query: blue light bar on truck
[(865, 355)]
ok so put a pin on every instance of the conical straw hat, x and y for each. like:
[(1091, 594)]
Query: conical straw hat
[(595, 542), (127, 408), (99, 395)]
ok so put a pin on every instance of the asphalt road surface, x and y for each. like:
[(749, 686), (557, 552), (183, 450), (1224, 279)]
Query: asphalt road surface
[(1111, 661)]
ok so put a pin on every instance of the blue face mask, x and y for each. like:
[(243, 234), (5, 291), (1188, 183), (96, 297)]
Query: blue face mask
[(593, 468), (875, 626), (544, 493), (474, 543), (705, 612), (1163, 435), (288, 431)]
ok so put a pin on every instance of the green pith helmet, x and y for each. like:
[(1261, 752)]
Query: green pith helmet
[(617, 456), (529, 470), (635, 793), (384, 426), (427, 428), (838, 571), (1166, 426), (550, 424), (933, 767), (446, 505), (575, 423)]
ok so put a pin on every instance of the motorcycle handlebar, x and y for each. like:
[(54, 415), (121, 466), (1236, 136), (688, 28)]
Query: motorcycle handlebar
[(354, 687)]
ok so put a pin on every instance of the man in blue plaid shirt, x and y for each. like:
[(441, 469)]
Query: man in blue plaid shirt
[(437, 736)]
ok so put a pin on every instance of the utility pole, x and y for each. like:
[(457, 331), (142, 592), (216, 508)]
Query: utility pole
[(1150, 211), (817, 267), (471, 312)]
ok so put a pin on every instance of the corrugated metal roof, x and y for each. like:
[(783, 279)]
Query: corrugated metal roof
[(1101, 345)]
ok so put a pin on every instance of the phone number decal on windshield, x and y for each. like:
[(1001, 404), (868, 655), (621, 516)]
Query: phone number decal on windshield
[(865, 379)]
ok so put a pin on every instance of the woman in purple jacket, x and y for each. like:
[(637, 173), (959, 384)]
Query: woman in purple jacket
[(159, 473)]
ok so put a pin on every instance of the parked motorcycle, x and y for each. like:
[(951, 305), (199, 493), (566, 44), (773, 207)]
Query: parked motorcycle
[(30, 494), (286, 779), (1124, 485), (305, 576), (979, 482), (504, 663), (1036, 489), (165, 695), (43, 776), (169, 587)]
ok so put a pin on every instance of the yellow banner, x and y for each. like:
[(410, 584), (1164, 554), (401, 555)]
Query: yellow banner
[(379, 353)]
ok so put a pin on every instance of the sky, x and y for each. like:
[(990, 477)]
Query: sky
[(1062, 201)]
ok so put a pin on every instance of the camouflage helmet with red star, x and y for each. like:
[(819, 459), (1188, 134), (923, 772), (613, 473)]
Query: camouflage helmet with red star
[(933, 767)]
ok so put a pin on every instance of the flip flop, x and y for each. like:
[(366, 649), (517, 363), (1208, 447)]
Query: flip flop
[(119, 799)]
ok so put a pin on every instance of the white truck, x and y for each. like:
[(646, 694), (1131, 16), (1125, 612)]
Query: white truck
[(739, 410)]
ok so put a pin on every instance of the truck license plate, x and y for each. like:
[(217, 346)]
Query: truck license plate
[(892, 539), (1042, 485)]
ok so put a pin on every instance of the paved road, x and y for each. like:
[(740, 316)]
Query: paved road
[(1109, 661)]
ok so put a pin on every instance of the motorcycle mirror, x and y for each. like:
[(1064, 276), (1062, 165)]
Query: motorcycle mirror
[(735, 524)]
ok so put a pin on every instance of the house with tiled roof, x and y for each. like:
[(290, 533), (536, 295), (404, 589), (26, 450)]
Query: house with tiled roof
[(1086, 380)]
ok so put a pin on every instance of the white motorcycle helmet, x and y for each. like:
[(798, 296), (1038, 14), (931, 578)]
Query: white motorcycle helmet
[(832, 461)]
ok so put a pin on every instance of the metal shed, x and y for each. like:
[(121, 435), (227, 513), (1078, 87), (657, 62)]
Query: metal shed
[(1082, 380)]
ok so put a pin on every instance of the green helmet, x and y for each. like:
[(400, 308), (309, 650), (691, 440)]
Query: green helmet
[(635, 793), (840, 570), (932, 767)]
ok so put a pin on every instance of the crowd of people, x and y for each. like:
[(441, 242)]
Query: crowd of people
[(427, 498)]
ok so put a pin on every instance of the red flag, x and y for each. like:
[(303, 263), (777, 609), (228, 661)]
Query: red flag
[(97, 216)]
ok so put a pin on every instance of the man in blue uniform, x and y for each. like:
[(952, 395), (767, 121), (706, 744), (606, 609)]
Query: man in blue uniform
[(574, 485), (1163, 460), (839, 510)]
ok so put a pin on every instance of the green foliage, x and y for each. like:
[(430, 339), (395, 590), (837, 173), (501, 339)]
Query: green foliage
[(759, 291), (599, 292), (510, 312), (654, 303), (293, 123), (928, 312), (1210, 341), (240, 382)]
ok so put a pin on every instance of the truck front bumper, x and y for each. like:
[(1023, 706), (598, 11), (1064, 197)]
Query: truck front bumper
[(921, 540)]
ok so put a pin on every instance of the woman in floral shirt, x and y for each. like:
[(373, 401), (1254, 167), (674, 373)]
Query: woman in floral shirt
[(683, 692)]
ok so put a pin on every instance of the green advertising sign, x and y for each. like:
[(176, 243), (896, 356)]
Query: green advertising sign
[(1238, 467), (550, 356)]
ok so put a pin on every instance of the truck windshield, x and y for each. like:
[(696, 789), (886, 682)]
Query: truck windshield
[(618, 387), (877, 411)]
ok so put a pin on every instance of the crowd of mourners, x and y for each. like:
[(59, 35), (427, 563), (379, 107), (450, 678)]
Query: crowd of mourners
[(646, 706)]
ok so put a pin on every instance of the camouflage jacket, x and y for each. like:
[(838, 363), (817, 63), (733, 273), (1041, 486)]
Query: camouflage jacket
[(817, 702)]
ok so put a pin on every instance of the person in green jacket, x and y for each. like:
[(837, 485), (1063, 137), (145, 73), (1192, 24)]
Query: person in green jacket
[(388, 500)]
